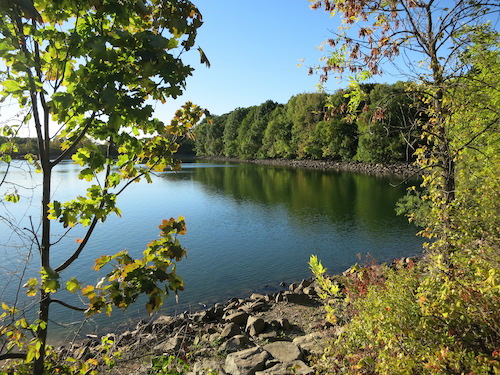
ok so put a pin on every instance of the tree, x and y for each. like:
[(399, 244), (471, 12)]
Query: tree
[(304, 110), (88, 71), (276, 142), (444, 310), (388, 126), (424, 40), (233, 122)]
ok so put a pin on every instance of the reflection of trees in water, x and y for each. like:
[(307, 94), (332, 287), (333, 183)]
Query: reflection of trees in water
[(337, 196)]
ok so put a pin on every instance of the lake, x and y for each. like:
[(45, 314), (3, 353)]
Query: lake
[(249, 227)]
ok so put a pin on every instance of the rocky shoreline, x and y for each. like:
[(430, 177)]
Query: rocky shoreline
[(280, 333), (404, 170), (261, 334)]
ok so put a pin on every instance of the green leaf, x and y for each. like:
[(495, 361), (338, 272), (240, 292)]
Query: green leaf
[(13, 197), (72, 285)]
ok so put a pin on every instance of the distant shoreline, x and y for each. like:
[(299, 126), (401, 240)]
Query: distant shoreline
[(405, 170)]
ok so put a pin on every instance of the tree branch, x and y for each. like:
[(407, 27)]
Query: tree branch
[(73, 146), (5, 356), (62, 303)]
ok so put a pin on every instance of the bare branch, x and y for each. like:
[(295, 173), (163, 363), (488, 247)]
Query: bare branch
[(62, 303)]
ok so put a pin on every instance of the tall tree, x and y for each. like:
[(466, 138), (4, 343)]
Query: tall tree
[(89, 70), (424, 40), (233, 122)]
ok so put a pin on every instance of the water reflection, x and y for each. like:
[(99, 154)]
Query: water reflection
[(249, 227)]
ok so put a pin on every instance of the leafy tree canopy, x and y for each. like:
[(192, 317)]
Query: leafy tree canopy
[(92, 70)]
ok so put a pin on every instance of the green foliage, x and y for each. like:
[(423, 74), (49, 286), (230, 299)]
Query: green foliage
[(277, 140), (153, 275), (233, 122), (316, 126), (86, 75), (390, 329), (168, 366), (441, 315)]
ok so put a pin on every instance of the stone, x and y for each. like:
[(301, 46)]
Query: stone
[(279, 297), (255, 325), (285, 351), (230, 330), (281, 323), (269, 336), (214, 313), (261, 297), (309, 291), (246, 362), (311, 343), (254, 306), (207, 366), (164, 323), (300, 299), (231, 305), (288, 368), (236, 343), (172, 344), (305, 283), (239, 317)]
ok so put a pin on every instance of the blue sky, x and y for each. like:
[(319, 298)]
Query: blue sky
[(254, 48)]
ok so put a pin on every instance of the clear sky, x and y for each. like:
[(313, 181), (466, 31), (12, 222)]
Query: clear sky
[(254, 48)]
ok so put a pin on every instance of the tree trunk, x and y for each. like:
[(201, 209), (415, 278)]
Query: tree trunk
[(43, 313)]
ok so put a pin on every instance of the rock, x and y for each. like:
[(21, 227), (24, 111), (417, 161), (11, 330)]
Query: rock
[(311, 343), (292, 287), (279, 297), (310, 291), (239, 317), (289, 368), (231, 305), (214, 313), (127, 337), (261, 297), (305, 283), (281, 323), (284, 351), (255, 326), (236, 343), (269, 336), (230, 330), (207, 366), (164, 323), (254, 306), (246, 362), (300, 299), (172, 344)]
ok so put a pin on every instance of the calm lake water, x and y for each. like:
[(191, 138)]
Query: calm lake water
[(250, 227)]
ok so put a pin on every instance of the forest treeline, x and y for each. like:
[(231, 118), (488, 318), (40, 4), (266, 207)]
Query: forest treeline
[(308, 126), (315, 126)]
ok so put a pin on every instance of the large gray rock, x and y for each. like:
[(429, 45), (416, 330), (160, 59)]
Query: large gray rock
[(285, 351), (230, 330), (255, 325), (239, 317), (289, 368), (246, 362), (312, 343)]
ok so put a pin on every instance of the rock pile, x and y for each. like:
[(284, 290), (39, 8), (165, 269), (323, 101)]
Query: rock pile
[(262, 334), (405, 170)]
